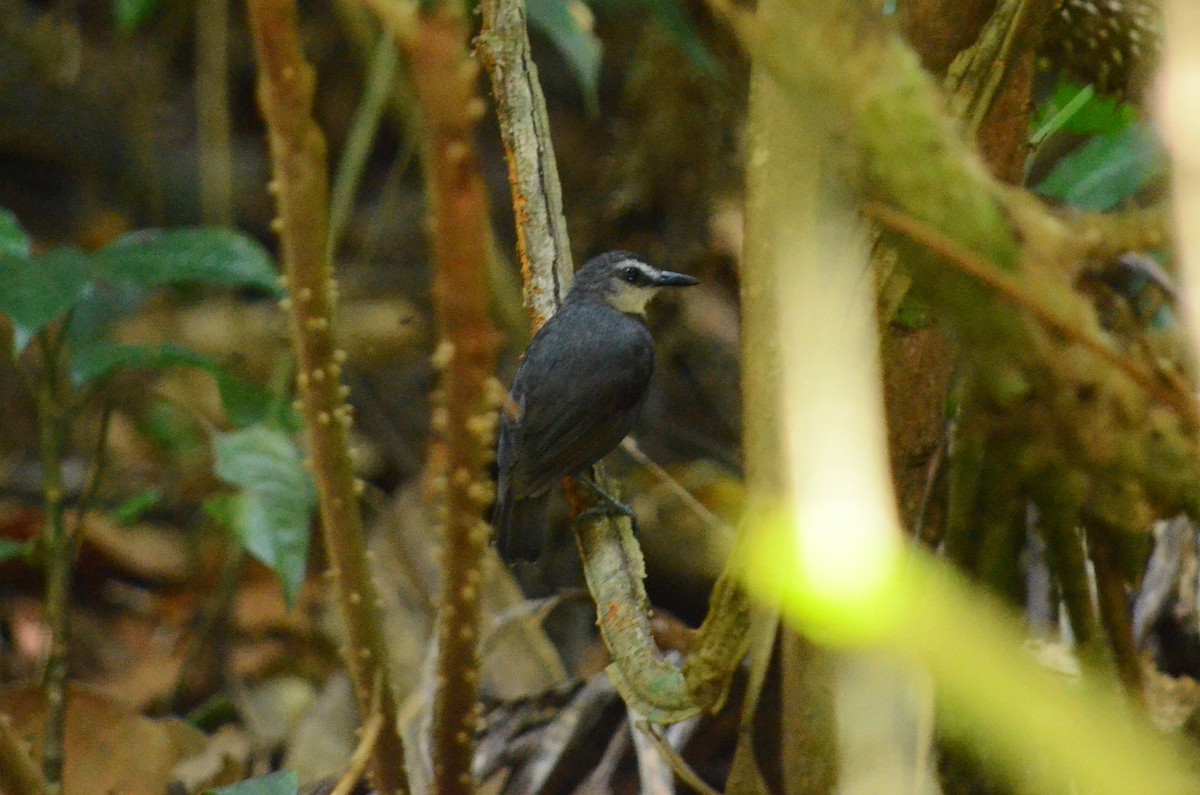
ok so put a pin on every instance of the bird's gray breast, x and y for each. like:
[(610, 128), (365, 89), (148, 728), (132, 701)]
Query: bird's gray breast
[(579, 389)]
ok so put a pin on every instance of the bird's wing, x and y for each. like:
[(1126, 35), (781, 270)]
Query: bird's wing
[(578, 392)]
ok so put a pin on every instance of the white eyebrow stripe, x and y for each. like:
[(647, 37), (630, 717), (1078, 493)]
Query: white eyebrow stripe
[(646, 268)]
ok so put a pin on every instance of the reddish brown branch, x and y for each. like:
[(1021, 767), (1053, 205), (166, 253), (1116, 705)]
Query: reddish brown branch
[(445, 78), (285, 93), (434, 43)]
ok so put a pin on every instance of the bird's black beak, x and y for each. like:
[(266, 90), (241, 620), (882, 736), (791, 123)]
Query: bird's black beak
[(672, 279)]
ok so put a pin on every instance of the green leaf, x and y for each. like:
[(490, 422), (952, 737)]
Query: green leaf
[(34, 291), (12, 549), (1107, 170), (1079, 110), (130, 15), (245, 404), (578, 45), (13, 239), (285, 782), (271, 512), (675, 20), (100, 359), (157, 257), (99, 310), (136, 506), (174, 430)]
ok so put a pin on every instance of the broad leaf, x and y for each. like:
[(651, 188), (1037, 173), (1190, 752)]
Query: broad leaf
[(99, 310), (245, 404), (285, 782), (156, 257), (578, 45), (271, 512), (13, 239), (34, 291), (100, 359), (1107, 170)]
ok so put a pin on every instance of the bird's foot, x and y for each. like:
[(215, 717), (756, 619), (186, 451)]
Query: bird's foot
[(608, 506)]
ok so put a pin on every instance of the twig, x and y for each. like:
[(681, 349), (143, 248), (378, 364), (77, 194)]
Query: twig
[(678, 764), (1113, 602), (18, 773), (361, 756), (363, 129), (285, 91), (99, 463), (208, 638), (701, 510), (967, 262), (59, 547)]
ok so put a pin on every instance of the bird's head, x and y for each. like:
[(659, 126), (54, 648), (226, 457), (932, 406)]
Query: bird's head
[(624, 281)]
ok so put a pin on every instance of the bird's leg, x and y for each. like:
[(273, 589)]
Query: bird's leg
[(609, 505)]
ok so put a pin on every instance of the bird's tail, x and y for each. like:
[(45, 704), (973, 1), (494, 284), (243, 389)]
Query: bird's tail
[(520, 526)]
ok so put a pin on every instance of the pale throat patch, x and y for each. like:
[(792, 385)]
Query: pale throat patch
[(632, 300)]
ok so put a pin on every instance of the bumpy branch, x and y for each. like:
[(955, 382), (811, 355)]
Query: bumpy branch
[(285, 93)]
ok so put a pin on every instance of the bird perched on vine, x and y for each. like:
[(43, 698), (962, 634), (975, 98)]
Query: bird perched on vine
[(576, 394)]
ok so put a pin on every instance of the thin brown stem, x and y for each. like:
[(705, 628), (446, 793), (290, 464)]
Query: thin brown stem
[(58, 547), (298, 153), (1113, 601)]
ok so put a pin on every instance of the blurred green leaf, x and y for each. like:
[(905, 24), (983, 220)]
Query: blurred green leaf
[(130, 15), (271, 512), (1107, 170), (103, 305), (101, 358), (12, 549), (36, 290), (245, 404), (13, 239), (174, 430), (285, 782), (578, 45), (1079, 110), (136, 506), (674, 18), (157, 257)]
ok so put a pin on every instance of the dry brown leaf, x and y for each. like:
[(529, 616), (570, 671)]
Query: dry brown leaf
[(108, 749)]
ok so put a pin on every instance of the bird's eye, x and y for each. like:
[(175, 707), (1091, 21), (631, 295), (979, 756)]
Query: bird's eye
[(632, 275)]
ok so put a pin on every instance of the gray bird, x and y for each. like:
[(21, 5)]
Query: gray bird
[(576, 394)]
